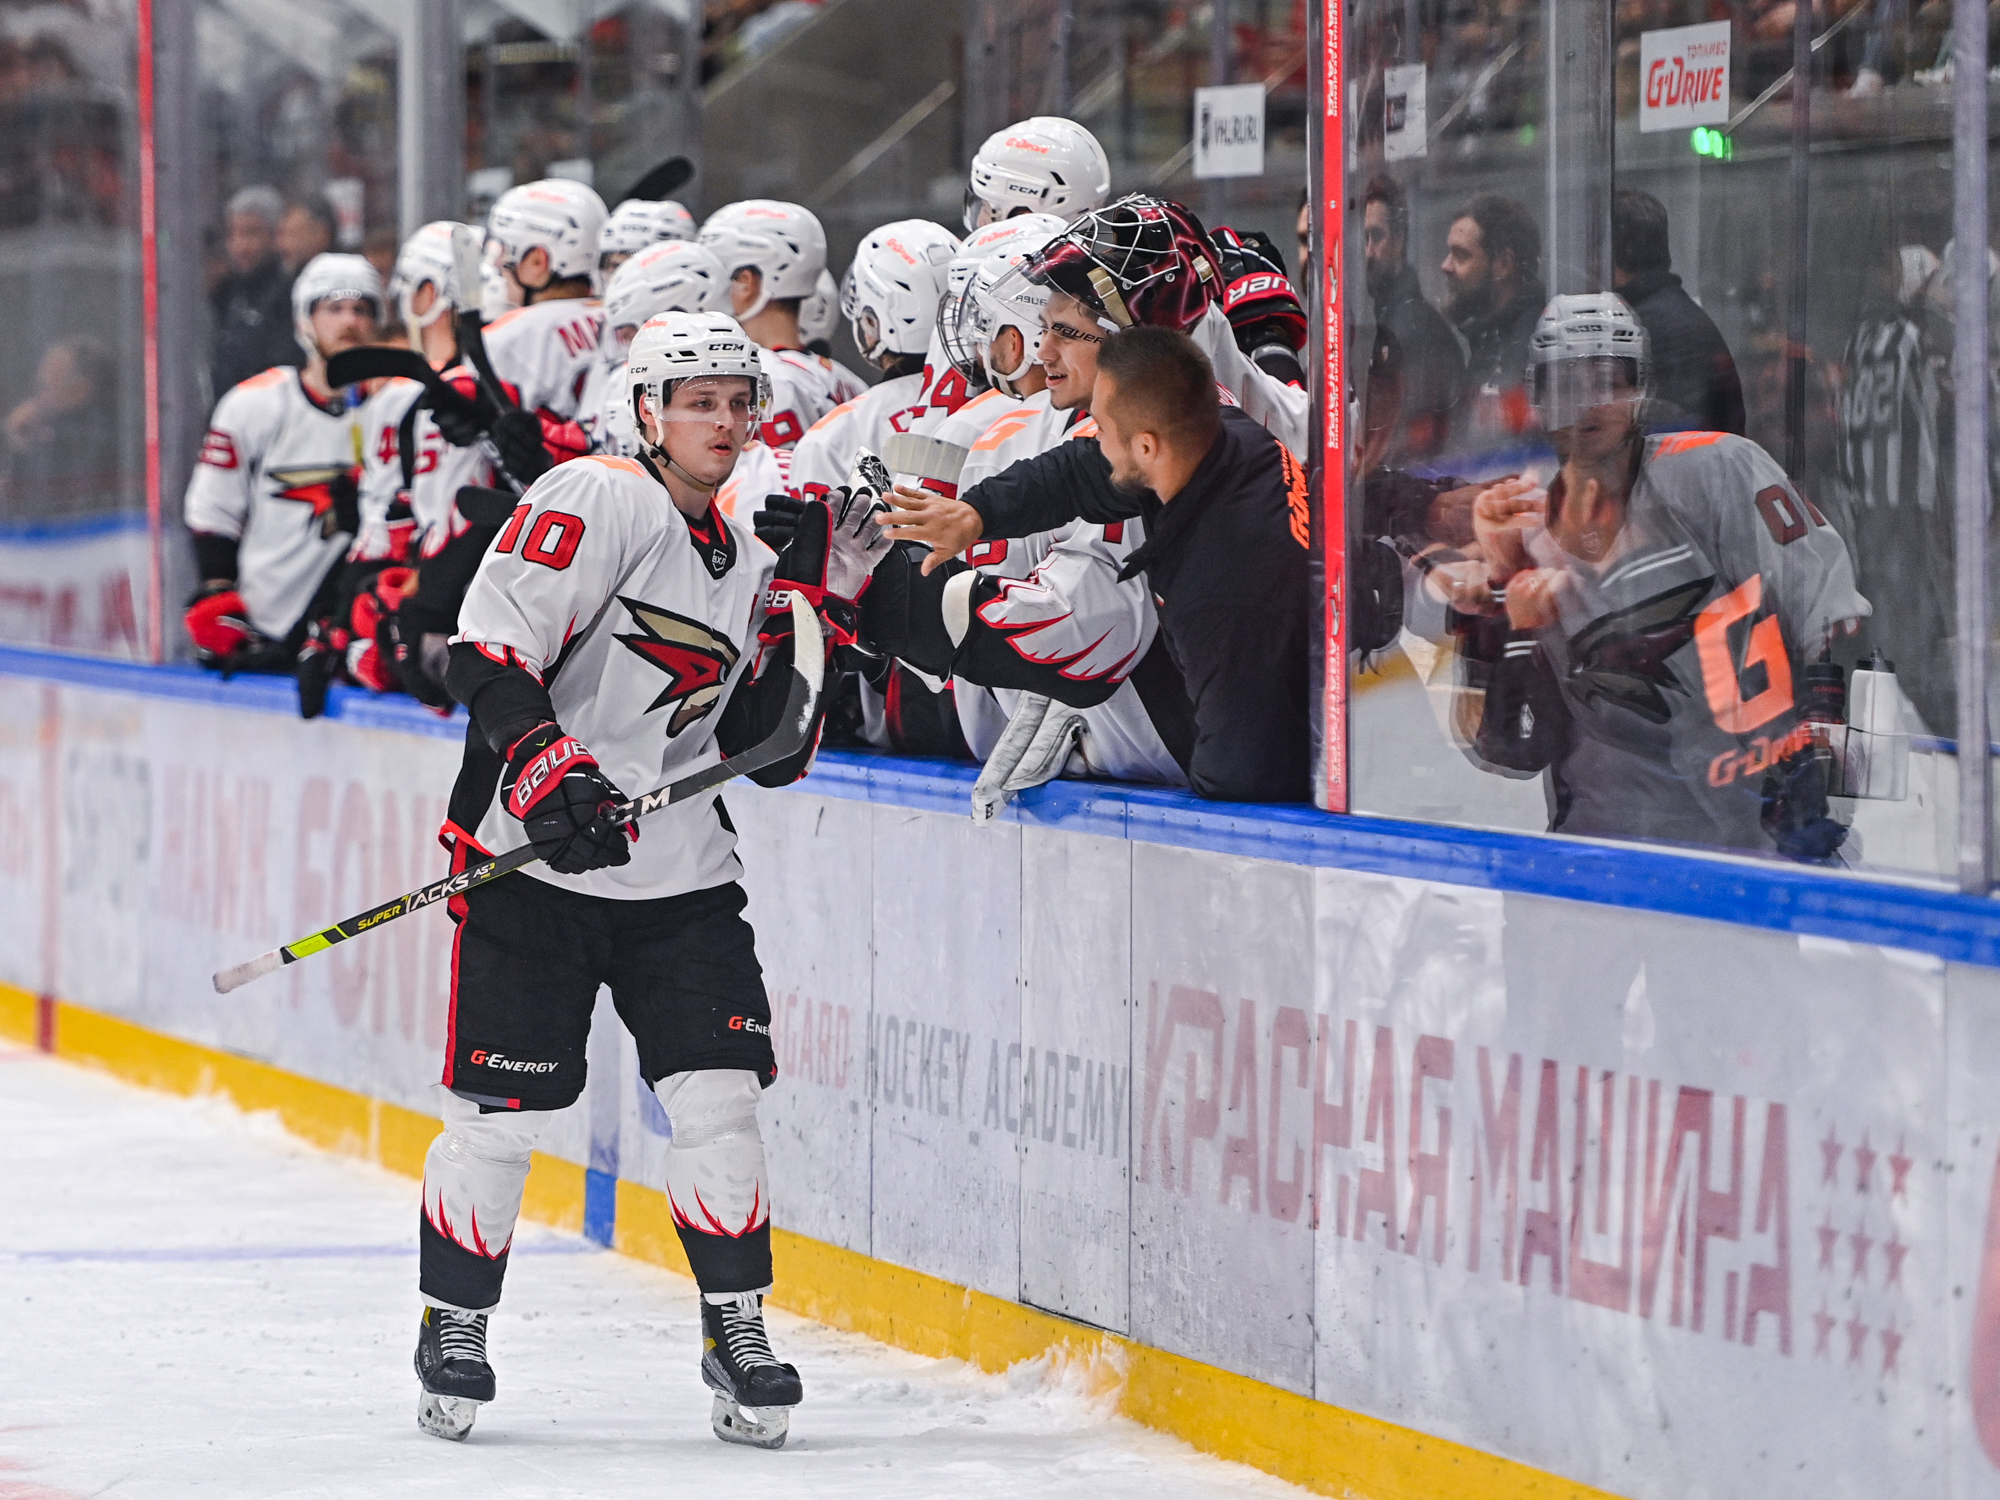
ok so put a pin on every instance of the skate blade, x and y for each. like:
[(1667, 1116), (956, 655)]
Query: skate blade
[(754, 1428), (448, 1416)]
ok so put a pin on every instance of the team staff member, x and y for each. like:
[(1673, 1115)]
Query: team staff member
[(1225, 511), (620, 609)]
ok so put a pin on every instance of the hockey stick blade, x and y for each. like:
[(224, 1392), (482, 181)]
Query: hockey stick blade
[(801, 703), (668, 178), (378, 362)]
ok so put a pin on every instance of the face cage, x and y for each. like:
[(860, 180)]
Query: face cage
[(1015, 301), (1563, 390)]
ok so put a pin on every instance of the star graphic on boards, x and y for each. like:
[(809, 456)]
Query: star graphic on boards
[(1892, 1346), (1828, 1238), (1861, 1244), (1899, 1171), (1830, 1150), (1864, 1163), (1824, 1323), (1857, 1339), (1893, 1250)]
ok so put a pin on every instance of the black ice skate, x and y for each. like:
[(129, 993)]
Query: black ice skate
[(451, 1364), (754, 1393)]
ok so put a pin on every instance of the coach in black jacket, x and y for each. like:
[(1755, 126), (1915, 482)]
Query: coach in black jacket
[(1225, 510)]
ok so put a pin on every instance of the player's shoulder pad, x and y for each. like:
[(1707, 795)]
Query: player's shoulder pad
[(596, 480), (844, 409), (1678, 455), (264, 379)]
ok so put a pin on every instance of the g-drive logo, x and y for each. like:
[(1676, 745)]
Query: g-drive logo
[(481, 1058)]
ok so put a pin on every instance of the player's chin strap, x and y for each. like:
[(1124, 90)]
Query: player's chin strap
[(653, 451)]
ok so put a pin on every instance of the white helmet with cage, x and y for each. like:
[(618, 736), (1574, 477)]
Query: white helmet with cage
[(677, 346), (1588, 350), (331, 277), (639, 222), (558, 215), (672, 276), (425, 257), (782, 242), (819, 312), (890, 297), (998, 296), (1041, 165), (1027, 231)]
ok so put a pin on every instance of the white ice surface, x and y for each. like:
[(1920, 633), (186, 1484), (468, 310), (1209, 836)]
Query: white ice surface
[(194, 1302)]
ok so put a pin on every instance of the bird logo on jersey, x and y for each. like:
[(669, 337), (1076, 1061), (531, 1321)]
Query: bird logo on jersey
[(696, 660), (317, 486), (1623, 655)]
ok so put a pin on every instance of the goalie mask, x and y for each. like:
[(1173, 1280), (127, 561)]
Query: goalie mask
[(1587, 351), (558, 215), (992, 296), (890, 298), (782, 242), (1043, 165), (331, 278), (1140, 260), (425, 257)]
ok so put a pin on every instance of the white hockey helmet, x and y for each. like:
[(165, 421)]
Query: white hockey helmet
[(819, 312), (326, 277), (677, 346), (1588, 350), (496, 293), (996, 297), (891, 294), (639, 222), (561, 216), (782, 242), (425, 257), (1041, 165), (671, 276), (1031, 231)]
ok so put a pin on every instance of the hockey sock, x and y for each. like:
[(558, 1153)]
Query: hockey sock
[(715, 1177), (473, 1178)]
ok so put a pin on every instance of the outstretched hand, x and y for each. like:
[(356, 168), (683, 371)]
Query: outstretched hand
[(947, 527)]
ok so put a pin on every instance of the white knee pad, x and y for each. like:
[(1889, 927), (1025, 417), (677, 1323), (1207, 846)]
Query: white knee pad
[(715, 1160), (475, 1172)]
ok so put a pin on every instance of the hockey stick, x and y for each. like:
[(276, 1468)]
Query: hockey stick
[(668, 178), (467, 245), (380, 362), (808, 662)]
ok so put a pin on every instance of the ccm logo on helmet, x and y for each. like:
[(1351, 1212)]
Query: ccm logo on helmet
[(484, 1059), (744, 1023)]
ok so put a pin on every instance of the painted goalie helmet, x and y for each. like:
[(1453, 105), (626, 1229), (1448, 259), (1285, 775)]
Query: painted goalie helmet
[(1587, 351), (1139, 260)]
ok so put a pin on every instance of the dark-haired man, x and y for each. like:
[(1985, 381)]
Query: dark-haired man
[(1493, 269), (1224, 504), (1433, 368), (1695, 384)]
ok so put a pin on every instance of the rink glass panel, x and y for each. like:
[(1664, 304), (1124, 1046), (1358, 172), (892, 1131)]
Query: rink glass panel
[(1847, 388)]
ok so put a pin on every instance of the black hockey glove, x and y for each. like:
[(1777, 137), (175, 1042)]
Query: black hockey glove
[(1257, 295), (462, 419), (776, 522), (1795, 809), (554, 786), (344, 515), (517, 436)]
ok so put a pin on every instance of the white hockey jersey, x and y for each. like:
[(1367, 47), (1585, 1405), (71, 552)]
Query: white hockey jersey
[(824, 457), (804, 388), (604, 411), (545, 351), (380, 419), (1285, 410), (654, 632), (1068, 602), (264, 478), (760, 471)]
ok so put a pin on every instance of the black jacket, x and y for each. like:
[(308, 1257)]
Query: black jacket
[(1692, 368), (253, 325), (1497, 342), (1226, 559), (1433, 367)]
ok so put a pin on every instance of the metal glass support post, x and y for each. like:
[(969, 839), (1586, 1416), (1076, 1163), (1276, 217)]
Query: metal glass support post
[(1801, 237), (1062, 25), (1221, 57), (430, 115), (1579, 125), (1970, 457)]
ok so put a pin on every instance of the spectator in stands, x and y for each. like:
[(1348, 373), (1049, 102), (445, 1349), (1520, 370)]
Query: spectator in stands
[(306, 229), (1695, 384), (55, 458), (1493, 269), (253, 302), (379, 250), (1432, 368)]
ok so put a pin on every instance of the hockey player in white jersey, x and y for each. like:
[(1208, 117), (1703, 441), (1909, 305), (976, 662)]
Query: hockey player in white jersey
[(774, 253), (672, 276), (620, 610), (819, 315), (1042, 165), (272, 500), (635, 224)]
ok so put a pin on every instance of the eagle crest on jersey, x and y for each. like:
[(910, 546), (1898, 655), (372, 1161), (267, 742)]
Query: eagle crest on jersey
[(696, 660), (1623, 656), (312, 486)]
